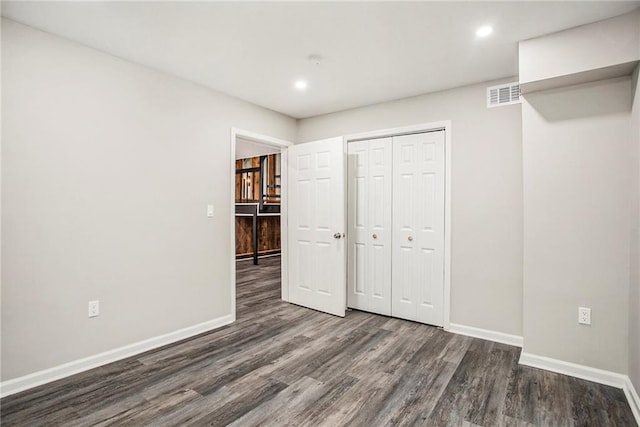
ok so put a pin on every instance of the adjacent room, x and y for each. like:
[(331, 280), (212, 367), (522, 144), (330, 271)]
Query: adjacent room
[(258, 195), (320, 213)]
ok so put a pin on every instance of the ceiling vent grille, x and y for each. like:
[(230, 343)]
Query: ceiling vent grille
[(506, 94)]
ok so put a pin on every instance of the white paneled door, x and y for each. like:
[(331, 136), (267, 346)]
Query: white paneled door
[(369, 225), (316, 209), (418, 227)]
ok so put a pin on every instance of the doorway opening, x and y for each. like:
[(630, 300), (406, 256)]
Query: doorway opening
[(258, 220)]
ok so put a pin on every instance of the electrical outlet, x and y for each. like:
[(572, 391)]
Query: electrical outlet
[(94, 308), (584, 315)]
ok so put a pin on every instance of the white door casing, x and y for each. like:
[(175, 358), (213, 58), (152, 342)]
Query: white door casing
[(316, 225), (282, 145), (369, 225), (418, 227)]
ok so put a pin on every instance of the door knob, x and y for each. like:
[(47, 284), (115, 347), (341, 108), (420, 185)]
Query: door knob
[(375, 236), (337, 235), (410, 238)]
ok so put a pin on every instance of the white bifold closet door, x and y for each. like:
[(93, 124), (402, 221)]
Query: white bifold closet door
[(418, 227), (369, 225)]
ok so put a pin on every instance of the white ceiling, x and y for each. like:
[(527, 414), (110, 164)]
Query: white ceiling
[(372, 51)]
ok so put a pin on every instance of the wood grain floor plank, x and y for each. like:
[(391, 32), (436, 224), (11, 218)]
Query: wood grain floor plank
[(249, 365), (470, 390), (244, 403), (363, 398), (280, 364), (324, 405), (190, 411), (406, 401), (284, 406)]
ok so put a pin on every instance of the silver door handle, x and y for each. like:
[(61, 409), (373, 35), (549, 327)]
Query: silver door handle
[(337, 235)]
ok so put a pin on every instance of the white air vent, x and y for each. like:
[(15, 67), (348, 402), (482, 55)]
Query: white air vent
[(506, 94)]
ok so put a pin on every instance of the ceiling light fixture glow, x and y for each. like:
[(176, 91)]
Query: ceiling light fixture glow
[(300, 85), (484, 31)]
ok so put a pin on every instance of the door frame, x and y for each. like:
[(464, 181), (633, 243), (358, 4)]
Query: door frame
[(276, 143), (421, 128)]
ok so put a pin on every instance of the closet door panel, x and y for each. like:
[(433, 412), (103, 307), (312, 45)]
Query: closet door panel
[(379, 236), (431, 308), (405, 204), (418, 230), (369, 280), (357, 216)]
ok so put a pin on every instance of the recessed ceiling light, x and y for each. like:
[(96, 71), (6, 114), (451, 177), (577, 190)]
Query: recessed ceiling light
[(300, 85), (484, 31)]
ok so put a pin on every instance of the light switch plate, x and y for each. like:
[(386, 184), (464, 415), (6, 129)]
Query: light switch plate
[(209, 211), (94, 308)]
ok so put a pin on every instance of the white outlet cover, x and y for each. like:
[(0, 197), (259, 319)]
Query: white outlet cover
[(584, 315)]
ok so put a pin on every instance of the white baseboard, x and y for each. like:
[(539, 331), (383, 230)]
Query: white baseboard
[(61, 371), (588, 373), (486, 334), (632, 398), (573, 369)]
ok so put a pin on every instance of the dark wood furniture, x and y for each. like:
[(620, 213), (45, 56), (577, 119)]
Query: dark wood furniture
[(257, 188)]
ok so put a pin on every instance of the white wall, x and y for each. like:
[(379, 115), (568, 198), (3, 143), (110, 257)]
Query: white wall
[(106, 172), (580, 150), (486, 288), (576, 150), (582, 49)]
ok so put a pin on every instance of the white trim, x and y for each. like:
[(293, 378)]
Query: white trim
[(67, 369), (588, 373), (284, 225), (573, 369), (447, 222), (485, 334), (232, 223), (429, 127), (282, 145), (384, 133), (260, 139), (632, 398), (345, 221)]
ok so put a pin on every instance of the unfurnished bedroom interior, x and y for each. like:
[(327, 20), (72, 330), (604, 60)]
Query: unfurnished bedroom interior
[(320, 213)]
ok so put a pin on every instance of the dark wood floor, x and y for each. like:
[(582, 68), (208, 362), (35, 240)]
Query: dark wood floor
[(280, 364)]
